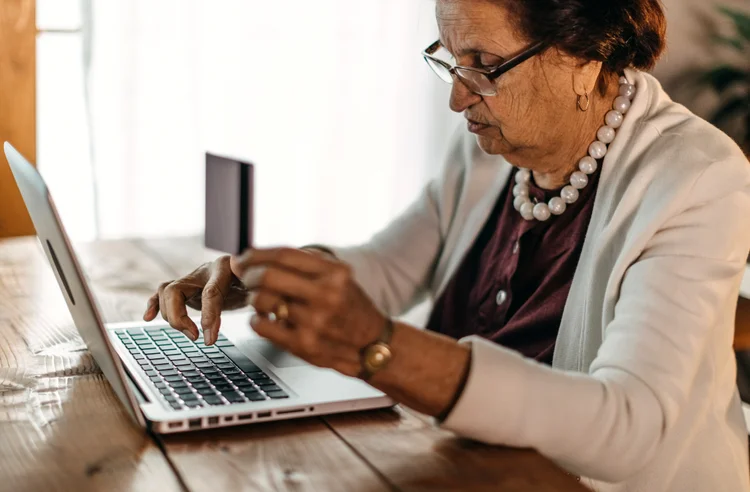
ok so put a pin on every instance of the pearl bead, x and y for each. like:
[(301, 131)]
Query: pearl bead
[(541, 212), (624, 80), (588, 165), (557, 206), (523, 176), (527, 210), (622, 104), (627, 90), (519, 200), (606, 134), (613, 119), (597, 149), (520, 190), (579, 180), (569, 194)]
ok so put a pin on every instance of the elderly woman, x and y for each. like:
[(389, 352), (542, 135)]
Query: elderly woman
[(583, 246)]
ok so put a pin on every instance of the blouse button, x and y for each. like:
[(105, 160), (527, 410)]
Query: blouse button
[(501, 297)]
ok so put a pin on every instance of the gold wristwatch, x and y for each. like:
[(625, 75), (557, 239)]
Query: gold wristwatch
[(376, 356)]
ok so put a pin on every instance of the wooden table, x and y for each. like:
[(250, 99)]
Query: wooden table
[(62, 428)]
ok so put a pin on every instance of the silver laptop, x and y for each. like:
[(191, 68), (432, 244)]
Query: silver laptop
[(171, 384)]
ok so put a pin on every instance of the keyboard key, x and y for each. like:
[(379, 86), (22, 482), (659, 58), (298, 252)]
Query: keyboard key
[(234, 397), (184, 343), (179, 384), (231, 370), (190, 373), (171, 399), (150, 373), (239, 359), (215, 377), (139, 357), (156, 359), (211, 351), (224, 343), (197, 358), (238, 378), (210, 370), (183, 391), (224, 387), (255, 396), (265, 382), (134, 331), (225, 365), (206, 391), (204, 365), (187, 397), (175, 334), (213, 400), (164, 344), (271, 388), (176, 405), (190, 351), (172, 379), (246, 387), (217, 358), (162, 365), (177, 358), (143, 363), (153, 329), (172, 352), (165, 391), (194, 403), (170, 372), (182, 363), (199, 385), (151, 352), (160, 385), (155, 378), (276, 395)]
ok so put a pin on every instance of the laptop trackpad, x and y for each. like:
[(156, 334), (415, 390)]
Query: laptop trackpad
[(275, 356)]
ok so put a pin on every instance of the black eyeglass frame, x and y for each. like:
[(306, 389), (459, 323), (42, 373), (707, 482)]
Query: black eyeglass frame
[(493, 74)]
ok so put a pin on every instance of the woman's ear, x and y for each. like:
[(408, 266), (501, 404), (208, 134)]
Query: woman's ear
[(585, 77)]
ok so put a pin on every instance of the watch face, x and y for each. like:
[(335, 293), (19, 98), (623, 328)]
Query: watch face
[(377, 356)]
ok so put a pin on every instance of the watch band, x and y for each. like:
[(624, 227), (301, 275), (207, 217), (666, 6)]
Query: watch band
[(376, 355)]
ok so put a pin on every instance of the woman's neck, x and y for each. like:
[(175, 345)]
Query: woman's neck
[(563, 161)]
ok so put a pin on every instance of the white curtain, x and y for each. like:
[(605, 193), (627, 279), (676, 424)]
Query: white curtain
[(329, 98)]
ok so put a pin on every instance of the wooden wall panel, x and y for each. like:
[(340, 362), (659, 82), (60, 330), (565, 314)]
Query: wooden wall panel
[(17, 105)]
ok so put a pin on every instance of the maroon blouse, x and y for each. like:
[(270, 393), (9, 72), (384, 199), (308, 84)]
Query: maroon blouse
[(512, 285)]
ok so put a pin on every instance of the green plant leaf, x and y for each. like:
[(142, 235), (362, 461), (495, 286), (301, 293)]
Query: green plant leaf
[(733, 107), (741, 21), (724, 76), (735, 43)]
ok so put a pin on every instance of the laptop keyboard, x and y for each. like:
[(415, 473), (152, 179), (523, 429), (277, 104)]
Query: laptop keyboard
[(193, 375)]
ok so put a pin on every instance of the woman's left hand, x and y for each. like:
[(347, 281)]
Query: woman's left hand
[(330, 319)]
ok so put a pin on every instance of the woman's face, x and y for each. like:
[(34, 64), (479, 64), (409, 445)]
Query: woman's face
[(535, 108)]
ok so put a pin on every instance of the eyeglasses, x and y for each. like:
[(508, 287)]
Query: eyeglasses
[(477, 80)]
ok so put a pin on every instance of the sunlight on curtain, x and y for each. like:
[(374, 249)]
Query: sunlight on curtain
[(330, 99)]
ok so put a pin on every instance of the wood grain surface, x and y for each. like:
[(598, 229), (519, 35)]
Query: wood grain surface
[(62, 427)]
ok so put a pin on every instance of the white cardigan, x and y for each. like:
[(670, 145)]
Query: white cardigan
[(641, 395)]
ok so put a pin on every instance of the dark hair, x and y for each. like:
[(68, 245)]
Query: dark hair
[(618, 33)]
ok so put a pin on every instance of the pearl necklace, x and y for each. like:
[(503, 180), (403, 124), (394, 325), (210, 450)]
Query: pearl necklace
[(587, 165)]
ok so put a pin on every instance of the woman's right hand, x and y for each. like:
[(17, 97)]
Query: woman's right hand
[(211, 288)]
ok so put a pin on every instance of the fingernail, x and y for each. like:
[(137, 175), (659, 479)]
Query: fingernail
[(189, 334), (207, 337)]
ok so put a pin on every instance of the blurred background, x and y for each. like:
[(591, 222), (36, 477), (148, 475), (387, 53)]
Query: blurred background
[(329, 99)]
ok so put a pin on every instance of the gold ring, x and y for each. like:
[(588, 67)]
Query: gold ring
[(281, 312)]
